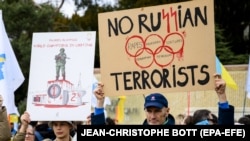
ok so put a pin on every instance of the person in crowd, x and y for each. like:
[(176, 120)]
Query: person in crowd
[(12, 129), (155, 106), (157, 110), (225, 111), (215, 119), (64, 127), (42, 131), (98, 116), (188, 120), (244, 120), (5, 134), (62, 130), (179, 119), (26, 131), (110, 121)]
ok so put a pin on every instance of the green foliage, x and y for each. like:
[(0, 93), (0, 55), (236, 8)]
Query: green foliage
[(22, 19), (22, 106), (223, 49)]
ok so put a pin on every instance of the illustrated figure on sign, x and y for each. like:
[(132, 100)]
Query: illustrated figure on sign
[(60, 63)]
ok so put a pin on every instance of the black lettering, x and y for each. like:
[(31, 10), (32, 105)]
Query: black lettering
[(158, 25), (131, 25), (116, 79), (114, 27), (142, 19), (192, 73), (136, 78), (126, 80), (144, 78), (181, 72), (117, 26), (207, 77), (188, 17), (153, 80), (165, 78), (198, 14)]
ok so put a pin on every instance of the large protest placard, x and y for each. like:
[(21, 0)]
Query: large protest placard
[(61, 75), (165, 48)]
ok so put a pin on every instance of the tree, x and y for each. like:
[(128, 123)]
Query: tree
[(22, 19)]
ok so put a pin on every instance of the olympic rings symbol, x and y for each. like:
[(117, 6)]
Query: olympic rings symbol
[(155, 49)]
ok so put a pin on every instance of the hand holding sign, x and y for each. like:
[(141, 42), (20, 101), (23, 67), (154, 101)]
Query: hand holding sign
[(99, 93), (220, 88)]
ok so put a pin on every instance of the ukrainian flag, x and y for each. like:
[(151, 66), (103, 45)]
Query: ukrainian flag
[(120, 109), (220, 69), (11, 76)]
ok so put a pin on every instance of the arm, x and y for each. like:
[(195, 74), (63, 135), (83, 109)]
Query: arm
[(25, 120), (5, 134), (98, 117), (225, 111)]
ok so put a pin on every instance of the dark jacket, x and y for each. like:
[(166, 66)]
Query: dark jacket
[(98, 119), (226, 116), (170, 119)]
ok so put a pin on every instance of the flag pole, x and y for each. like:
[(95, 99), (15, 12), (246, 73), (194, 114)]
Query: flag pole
[(244, 106), (188, 104), (247, 89)]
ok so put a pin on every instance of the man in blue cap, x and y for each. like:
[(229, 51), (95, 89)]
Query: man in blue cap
[(157, 110)]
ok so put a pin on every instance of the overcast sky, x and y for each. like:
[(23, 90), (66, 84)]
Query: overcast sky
[(68, 7)]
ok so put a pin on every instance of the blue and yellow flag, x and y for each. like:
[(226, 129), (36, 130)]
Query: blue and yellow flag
[(220, 69), (11, 76), (120, 109)]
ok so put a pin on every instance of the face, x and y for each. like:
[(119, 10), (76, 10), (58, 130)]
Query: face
[(30, 134), (156, 116), (210, 119), (61, 129)]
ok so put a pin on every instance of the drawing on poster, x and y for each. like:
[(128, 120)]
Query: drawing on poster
[(61, 91)]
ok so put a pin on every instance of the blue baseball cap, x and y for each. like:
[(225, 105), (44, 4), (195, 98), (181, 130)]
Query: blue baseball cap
[(156, 100)]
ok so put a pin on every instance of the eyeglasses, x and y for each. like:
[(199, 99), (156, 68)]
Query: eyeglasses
[(29, 134)]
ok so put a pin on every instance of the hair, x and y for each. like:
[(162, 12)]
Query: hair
[(179, 119), (200, 115), (244, 120), (215, 119), (188, 120), (43, 130), (110, 121)]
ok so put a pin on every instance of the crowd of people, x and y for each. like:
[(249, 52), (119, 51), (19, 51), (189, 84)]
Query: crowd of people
[(156, 107)]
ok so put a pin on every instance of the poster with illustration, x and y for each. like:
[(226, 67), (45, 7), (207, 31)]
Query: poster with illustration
[(164, 48), (61, 75)]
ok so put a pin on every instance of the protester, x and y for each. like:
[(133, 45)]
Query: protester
[(225, 111), (43, 131), (244, 120), (12, 129), (188, 120), (5, 134), (179, 119), (62, 130), (157, 110), (26, 131), (110, 121)]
